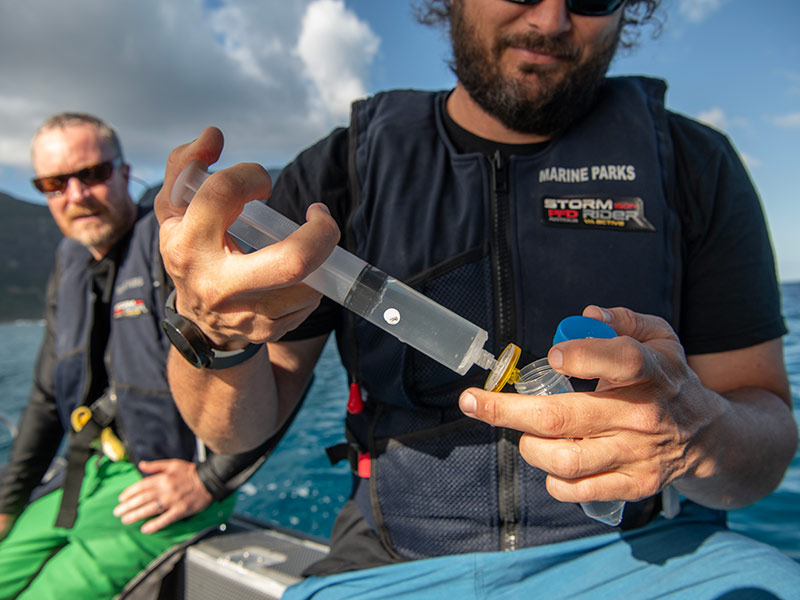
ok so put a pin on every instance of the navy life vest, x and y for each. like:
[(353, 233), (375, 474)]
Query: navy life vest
[(513, 244), (147, 420)]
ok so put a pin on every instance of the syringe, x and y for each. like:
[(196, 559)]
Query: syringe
[(360, 287)]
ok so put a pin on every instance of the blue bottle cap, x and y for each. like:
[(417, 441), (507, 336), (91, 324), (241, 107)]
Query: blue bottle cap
[(577, 328)]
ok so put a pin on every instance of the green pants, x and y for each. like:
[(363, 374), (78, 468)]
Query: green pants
[(98, 555)]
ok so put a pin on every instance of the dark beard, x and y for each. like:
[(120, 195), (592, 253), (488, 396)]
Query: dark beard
[(549, 108)]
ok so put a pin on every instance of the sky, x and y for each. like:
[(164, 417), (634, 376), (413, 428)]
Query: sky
[(276, 75)]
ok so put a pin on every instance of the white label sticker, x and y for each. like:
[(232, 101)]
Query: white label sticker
[(391, 316)]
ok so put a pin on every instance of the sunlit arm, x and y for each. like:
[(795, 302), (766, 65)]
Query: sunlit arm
[(741, 454), (234, 410)]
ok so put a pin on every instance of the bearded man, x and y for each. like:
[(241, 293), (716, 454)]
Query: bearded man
[(537, 188)]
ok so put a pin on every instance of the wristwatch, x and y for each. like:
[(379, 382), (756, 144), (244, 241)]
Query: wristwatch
[(193, 345)]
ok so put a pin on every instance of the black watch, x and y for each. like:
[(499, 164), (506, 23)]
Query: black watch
[(192, 343)]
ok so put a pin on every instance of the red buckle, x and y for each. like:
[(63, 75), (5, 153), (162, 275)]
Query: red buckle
[(364, 464), (355, 403)]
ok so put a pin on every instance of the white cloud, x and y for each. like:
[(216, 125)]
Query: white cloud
[(719, 119), (791, 75), (698, 10), (336, 49), (788, 121), (16, 132), (751, 161), (248, 34), (161, 71), (714, 117)]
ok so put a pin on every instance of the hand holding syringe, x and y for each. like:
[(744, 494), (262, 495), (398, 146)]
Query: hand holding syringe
[(383, 301), (391, 305)]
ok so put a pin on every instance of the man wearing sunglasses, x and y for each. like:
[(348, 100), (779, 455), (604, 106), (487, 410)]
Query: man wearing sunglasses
[(100, 378), (536, 189)]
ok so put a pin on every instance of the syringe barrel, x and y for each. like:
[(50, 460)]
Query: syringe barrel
[(415, 319), (382, 300), (358, 286), (258, 225)]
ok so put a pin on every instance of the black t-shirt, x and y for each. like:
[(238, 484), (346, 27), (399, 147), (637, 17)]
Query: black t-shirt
[(103, 273)]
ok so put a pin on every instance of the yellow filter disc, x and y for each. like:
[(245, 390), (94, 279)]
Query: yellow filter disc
[(504, 370)]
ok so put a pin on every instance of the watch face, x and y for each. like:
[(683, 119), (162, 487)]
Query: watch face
[(187, 338)]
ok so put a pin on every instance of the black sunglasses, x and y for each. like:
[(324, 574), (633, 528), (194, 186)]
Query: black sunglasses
[(588, 8), (92, 175)]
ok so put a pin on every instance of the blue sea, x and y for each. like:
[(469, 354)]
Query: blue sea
[(298, 488)]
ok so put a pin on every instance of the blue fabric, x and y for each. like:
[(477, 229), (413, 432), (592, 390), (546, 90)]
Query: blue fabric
[(692, 556), (137, 348)]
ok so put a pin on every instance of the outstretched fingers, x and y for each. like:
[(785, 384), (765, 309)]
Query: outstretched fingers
[(291, 260), (197, 238), (557, 416), (206, 149)]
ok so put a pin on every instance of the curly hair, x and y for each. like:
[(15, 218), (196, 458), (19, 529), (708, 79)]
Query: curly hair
[(635, 14)]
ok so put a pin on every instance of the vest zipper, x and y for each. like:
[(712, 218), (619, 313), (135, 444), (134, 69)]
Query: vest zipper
[(507, 476), (87, 382)]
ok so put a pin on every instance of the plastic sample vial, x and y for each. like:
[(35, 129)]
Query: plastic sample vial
[(540, 379)]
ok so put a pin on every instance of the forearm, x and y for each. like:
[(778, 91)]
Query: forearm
[(40, 433), (235, 410), (740, 454), (231, 410), (235, 297), (222, 474)]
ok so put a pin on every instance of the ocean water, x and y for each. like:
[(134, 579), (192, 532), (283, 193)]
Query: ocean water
[(298, 488)]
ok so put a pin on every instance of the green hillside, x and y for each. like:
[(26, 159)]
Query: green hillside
[(28, 239)]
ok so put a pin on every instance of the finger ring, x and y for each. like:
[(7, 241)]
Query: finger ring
[(159, 506)]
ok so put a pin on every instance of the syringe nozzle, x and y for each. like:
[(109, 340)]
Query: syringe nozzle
[(485, 360)]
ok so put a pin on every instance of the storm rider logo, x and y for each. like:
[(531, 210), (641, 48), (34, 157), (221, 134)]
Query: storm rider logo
[(596, 213)]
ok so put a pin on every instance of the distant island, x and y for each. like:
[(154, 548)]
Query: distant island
[(28, 240)]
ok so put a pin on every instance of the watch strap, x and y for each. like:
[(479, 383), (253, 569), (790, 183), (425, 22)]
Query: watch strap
[(193, 344)]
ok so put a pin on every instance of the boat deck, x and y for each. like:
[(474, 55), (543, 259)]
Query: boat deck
[(248, 560)]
